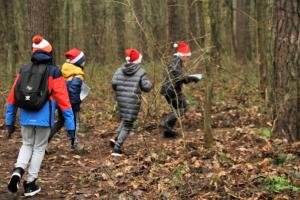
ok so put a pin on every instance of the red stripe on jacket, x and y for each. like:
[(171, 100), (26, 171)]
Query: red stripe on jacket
[(58, 88), (11, 97), (59, 92)]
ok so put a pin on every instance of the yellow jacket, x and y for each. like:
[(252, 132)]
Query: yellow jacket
[(70, 71)]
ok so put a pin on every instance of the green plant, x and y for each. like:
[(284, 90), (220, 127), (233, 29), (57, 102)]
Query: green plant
[(280, 160), (222, 157), (192, 100), (178, 176), (278, 184), (266, 133), (219, 96)]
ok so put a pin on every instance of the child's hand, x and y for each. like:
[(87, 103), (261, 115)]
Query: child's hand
[(194, 79)]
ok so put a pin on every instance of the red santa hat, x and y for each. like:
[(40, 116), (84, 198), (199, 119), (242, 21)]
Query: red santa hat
[(75, 56), (133, 56), (183, 49), (39, 43)]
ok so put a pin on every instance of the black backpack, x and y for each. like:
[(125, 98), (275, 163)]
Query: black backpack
[(31, 89)]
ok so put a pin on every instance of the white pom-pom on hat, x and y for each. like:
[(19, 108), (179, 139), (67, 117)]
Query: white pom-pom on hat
[(175, 45), (127, 58)]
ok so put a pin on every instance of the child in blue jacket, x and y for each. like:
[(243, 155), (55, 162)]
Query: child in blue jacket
[(72, 71), (36, 124)]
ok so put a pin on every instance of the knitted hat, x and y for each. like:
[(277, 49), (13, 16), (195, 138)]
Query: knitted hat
[(183, 49), (39, 43), (133, 56), (75, 56)]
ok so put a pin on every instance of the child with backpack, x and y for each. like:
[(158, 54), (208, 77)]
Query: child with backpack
[(128, 82), (72, 71), (35, 88), (172, 87)]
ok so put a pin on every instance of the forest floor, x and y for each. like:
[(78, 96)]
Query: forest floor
[(244, 163)]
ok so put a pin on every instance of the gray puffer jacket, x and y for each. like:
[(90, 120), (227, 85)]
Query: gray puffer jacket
[(129, 81)]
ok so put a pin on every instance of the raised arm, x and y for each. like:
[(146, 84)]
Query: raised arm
[(145, 83)]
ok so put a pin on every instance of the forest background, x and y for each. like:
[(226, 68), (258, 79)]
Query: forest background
[(248, 51)]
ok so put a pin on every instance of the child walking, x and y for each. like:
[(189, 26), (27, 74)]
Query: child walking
[(128, 82), (72, 71), (34, 95), (172, 88)]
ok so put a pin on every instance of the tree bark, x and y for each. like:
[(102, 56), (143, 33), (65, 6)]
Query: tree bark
[(119, 22), (214, 15), (287, 70), (40, 18), (262, 34), (196, 22), (174, 27), (243, 36), (141, 37), (228, 31)]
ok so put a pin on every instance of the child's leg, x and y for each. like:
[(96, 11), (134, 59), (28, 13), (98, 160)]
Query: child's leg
[(119, 128), (24, 156), (127, 127), (76, 145), (26, 150), (57, 125), (179, 106), (77, 125), (113, 140), (41, 135)]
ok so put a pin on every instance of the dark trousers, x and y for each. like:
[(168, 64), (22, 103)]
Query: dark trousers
[(61, 122), (123, 131), (179, 107)]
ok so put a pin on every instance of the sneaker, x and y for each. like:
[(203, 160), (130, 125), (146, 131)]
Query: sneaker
[(77, 147), (47, 151), (113, 141), (31, 189), (14, 181), (117, 152), (170, 134)]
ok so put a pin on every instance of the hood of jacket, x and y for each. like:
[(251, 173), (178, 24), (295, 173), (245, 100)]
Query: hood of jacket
[(130, 68), (41, 57), (69, 71)]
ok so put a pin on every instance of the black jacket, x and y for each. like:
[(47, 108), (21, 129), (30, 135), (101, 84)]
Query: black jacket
[(174, 79)]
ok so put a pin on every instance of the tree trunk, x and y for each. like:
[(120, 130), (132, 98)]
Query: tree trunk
[(287, 70), (11, 45), (214, 14), (262, 34), (174, 26), (141, 37), (210, 64), (208, 135), (119, 17), (201, 23), (243, 36), (196, 22), (229, 38), (39, 18)]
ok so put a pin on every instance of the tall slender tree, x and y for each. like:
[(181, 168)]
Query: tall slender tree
[(175, 28), (262, 34), (243, 36), (119, 22)]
